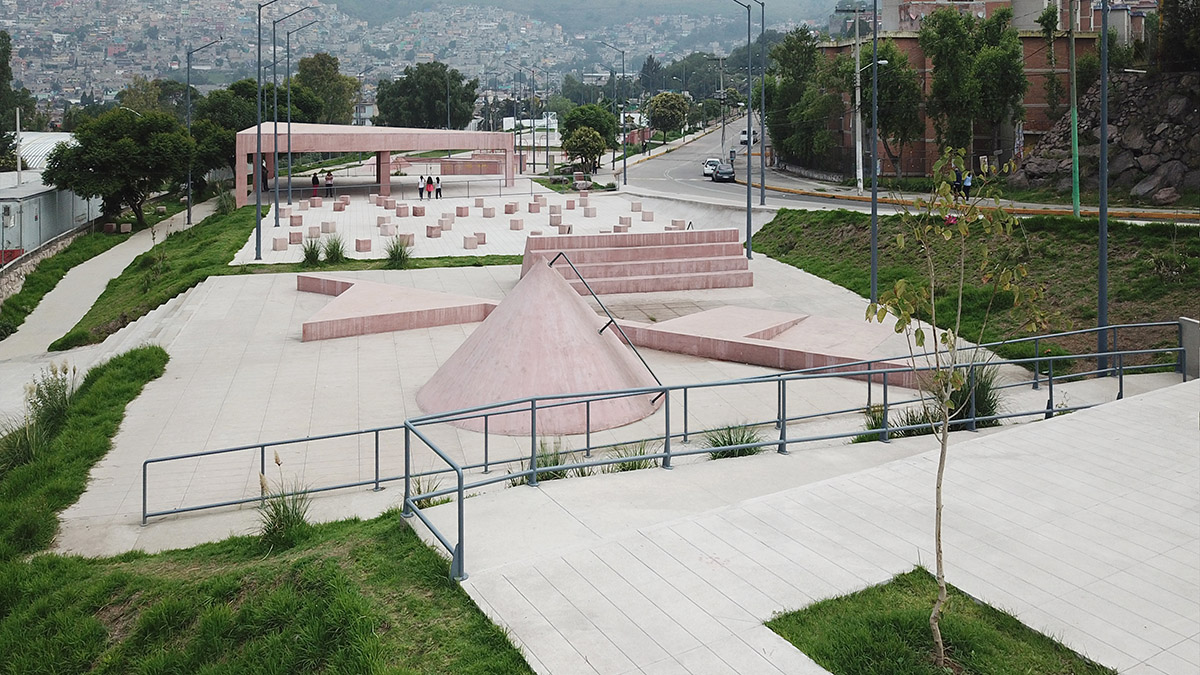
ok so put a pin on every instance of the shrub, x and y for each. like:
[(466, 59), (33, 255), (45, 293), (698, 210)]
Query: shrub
[(283, 516), (312, 253), (335, 250), (724, 437), (924, 419), (424, 485), (398, 254), (635, 453), (226, 202), (548, 456)]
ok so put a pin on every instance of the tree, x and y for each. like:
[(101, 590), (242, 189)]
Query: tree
[(668, 111), (950, 241), (1180, 37), (1052, 84), (899, 117), (578, 92), (121, 157), (946, 39), (585, 145), (807, 123), (1000, 72), (796, 60), (595, 117), (419, 98), (10, 100), (337, 92), (651, 76)]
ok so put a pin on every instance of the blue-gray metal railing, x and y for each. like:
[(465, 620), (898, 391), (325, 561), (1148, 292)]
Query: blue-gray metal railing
[(529, 469)]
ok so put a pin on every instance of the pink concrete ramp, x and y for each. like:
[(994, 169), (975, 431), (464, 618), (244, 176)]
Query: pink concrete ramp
[(542, 340)]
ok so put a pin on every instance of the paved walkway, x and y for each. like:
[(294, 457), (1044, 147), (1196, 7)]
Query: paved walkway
[(1086, 527)]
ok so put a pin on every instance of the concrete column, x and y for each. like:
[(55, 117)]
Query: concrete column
[(383, 171), (1191, 345)]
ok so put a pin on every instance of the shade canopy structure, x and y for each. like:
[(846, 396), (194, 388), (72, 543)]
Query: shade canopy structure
[(382, 141)]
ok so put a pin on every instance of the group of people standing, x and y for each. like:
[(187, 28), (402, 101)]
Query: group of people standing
[(316, 183), (962, 184), (429, 187)]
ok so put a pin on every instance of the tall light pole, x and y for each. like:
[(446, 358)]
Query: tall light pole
[(516, 114), (275, 112), (874, 150), (1074, 110), (1102, 309), (624, 152), (762, 108), (749, 124), (258, 174), (288, 76), (188, 91)]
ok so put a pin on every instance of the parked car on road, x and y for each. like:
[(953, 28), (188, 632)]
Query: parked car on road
[(709, 165), (723, 173), (742, 137)]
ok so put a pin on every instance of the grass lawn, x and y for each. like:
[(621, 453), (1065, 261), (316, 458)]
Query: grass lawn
[(187, 258), (1087, 197), (885, 630), (1154, 271)]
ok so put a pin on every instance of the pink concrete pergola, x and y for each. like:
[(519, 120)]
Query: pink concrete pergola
[(379, 140)]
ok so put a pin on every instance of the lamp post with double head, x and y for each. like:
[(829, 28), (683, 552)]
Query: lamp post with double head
[(288, 77), (275, 107), (516, 112), (874, 151), (749, 123), (258, 167), (624, 154), (188, 92)]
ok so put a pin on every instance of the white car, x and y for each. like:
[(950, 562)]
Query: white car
[(742, 137), (710, 165)]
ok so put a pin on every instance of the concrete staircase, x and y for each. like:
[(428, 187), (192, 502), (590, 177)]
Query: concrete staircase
[(646, 262)]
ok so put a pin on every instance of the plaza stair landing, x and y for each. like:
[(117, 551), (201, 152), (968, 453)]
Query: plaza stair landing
[(645, 262)]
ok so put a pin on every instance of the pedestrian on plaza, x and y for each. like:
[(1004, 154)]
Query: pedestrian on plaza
[(329, 184), (421, 187), (956, 187), (429, 187), (316, 183), (966, 186), (437, 187)]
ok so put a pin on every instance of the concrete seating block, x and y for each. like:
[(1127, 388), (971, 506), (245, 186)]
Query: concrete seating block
[(606, 230), (296, 237), (589, 212), (285, 212), (634, 207), (418, 211), (535, 207), (541, 199), (402, 210), (345, 199), (625, 220), (564, 229), (389, 203), (314, 202), (433, 232), (489, 212), (481, 237), (479, 202), (387, 230), (328, 227), (647, 216), (279, 243), (448, 216), (380, 220), (462, 211), (535, 233), (679, 223), (302, 204), (445, 224), (510, 208), (584, 194), (372, 197), (314, 231), (362, 245), (620, 228), (516, 224), (584, 202), (555, 209), (296, 220), (126, 228), (339, 206), (570, 204), (470, 242), (109, 228), (160, 210), (555, 220), (407, 238)]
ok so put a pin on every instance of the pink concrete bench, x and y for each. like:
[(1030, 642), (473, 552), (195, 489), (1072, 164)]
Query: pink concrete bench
[(389, 203), (620, 228), (589, 212), (583, 201), (489, 212), (285, 212), (462, 211), (380, 220), (678, 224), (362, 245), (302, 204), (433, 232), (584, 194), (481, 237), (372, 197), (402, 211), (647, 216), (296, 220), (296, 237), (570, 204), (418, 211), (279, 243), (555, 220), (407, 238), (535, 233), (345, 199), (314, 202), (328, 227), (516, 224), (445, 224), (555, 209), (535, 207), (479, 202), (564, 229), (635, 206), (541, 199), (625, 220), (387, 230), (470, 242), (510, 208), (449, 216), (606, 230), (339, 206), (314, 232)]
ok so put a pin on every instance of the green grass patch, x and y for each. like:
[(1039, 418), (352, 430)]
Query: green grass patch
[(32, 493), (48, 273), (1154, 272), (352, 597), (885, 629)]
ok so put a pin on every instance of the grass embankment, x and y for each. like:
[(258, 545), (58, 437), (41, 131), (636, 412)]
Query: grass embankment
[(187, 258), (1087, 198), (885, 629), (1154, 272), (53, 474)]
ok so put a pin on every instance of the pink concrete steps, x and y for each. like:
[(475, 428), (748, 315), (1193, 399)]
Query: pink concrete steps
[(646, 262)]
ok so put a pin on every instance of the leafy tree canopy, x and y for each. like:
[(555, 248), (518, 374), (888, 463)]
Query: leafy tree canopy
[(584, 145), (337, 92), (668, 111), (595, 117), (419, 98)]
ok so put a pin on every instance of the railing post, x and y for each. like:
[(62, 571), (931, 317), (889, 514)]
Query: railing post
[(1120, 375), (666, 464), (262, 462), (486, 419), (1050, 391), (458, 569), (1181, 355), (883, 432), (782, 417), (1114, 345), (407, 510), (685, 413), (533, 443), (869, 383), (1037, 364), (971, 383), (377, 488), (587, 428), (143, 493)]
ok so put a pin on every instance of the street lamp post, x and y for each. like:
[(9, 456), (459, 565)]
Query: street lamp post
[(1102, 309), (288, 76), (258, 175), (624, 152), (516, 112), (749, 124), (762, 108), (874, 151), (275, 112), (188, 91)]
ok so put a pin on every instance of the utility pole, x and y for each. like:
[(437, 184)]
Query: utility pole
[(1074, 111), (858, 134), (1102, 309), (762, 110)]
